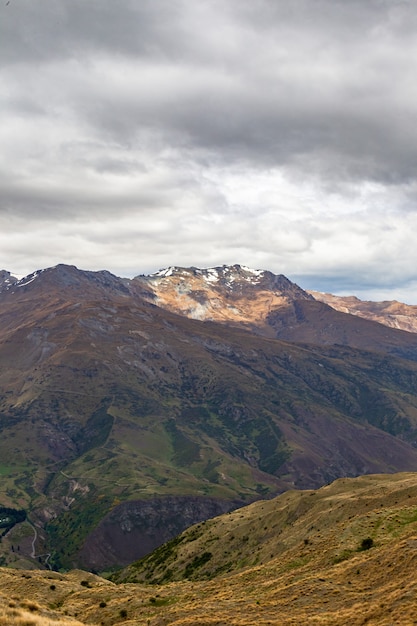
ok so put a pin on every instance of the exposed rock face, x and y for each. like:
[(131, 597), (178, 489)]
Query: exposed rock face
[(133, 529), (234, 293)]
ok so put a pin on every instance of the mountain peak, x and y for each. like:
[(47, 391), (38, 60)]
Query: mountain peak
[(65, 277), (226, 276), (227, 293), (6, 279)]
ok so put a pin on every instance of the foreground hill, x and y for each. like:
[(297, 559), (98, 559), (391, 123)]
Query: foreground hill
[(344, 554), (123, 423)]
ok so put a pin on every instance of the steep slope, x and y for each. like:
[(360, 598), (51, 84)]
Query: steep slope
[(390, 312), (327, 526), (111, 406)]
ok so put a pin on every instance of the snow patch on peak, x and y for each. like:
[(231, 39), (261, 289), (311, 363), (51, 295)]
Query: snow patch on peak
[(211, 275), (241, 273), (164, 273), (229, 273), (249, 270), (28, 279), (173, 270)]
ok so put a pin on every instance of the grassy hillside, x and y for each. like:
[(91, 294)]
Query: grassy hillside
[(327, 526), (344, 554)]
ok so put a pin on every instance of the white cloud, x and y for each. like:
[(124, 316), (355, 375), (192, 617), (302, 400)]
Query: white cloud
[(278, 135)]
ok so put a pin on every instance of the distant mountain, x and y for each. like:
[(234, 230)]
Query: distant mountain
[(122, 422), (224, 294), (391, 313), (266, 304)]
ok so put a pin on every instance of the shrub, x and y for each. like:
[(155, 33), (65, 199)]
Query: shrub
[(197, 562), (366, 543)]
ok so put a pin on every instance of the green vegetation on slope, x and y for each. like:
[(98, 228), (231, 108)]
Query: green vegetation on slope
[(344, 554)]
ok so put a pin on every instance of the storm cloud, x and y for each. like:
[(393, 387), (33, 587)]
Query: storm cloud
[(280, 135)]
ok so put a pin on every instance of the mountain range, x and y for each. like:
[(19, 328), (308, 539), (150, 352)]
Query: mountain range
[(133, 408)]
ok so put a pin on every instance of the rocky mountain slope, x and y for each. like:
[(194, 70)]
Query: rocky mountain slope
[(6, 279), (343, 554), (115, 412), (223, 294), (391, 313), (269, 305)]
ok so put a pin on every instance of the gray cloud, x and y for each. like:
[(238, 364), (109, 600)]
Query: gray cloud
[(277, 134)]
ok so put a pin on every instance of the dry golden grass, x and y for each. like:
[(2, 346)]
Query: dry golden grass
[(309, 571), (28, 613)]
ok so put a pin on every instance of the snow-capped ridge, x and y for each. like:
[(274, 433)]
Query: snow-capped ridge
[(28, 279), (212, 274)]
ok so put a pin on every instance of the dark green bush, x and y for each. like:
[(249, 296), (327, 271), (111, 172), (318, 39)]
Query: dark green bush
[(367, 543)]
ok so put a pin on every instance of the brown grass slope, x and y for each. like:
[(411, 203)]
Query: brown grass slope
[(297, 559)]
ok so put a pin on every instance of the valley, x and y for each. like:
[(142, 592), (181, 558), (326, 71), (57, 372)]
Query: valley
[(342, 554)]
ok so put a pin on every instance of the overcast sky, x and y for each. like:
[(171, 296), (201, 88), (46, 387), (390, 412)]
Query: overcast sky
[(279, 134)]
